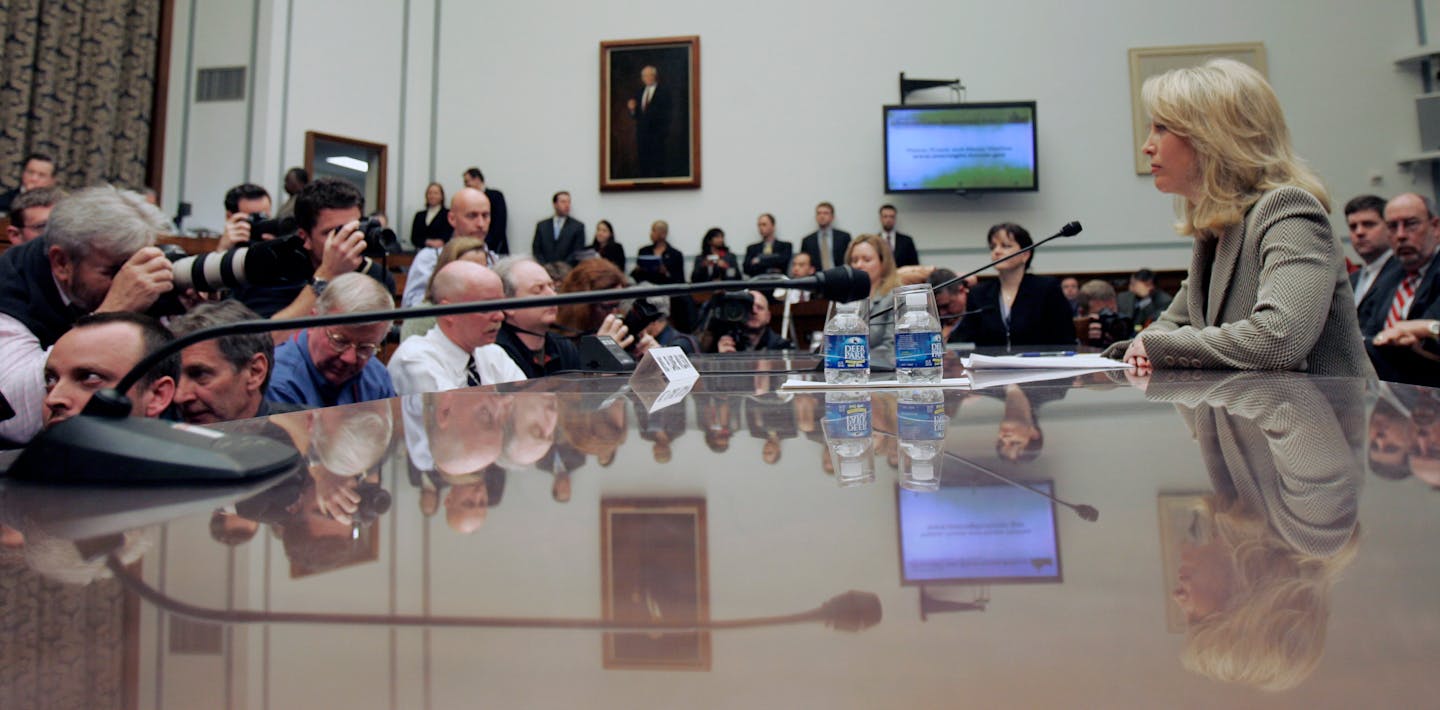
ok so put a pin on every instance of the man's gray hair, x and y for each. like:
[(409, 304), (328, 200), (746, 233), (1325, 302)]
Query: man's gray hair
[(354, 293), (102, 219), (505, 268)]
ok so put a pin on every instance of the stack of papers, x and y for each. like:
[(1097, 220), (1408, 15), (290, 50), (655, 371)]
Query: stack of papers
[(998, 370)]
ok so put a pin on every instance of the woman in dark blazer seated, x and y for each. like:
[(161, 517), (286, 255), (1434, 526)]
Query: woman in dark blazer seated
[(1019, 308), (715, 262), (1267, 288), (605, 245), (433, 222)]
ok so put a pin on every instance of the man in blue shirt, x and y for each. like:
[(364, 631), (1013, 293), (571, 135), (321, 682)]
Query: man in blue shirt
[(323, 367)]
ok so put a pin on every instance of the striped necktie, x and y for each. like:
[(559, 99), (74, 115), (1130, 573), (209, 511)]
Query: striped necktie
[(472, 375), (1404, 294)]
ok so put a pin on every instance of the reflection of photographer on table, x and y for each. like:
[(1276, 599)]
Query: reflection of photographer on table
[(1255, 575)]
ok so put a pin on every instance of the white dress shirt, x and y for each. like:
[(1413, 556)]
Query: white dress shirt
[(1368, 273), (433, 363), (417, 280), (22, 380)]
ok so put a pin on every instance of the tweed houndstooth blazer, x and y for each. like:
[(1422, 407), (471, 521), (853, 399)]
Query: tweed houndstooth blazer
[(1270, 294)]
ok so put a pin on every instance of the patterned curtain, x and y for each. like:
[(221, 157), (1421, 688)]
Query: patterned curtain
[(78, 80)]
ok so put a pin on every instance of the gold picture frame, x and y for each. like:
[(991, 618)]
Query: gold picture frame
[(655, 566), (1182, 517), (1146, 62)]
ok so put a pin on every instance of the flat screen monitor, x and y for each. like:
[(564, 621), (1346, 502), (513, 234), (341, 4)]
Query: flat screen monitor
[(978, 533), (973, 147)]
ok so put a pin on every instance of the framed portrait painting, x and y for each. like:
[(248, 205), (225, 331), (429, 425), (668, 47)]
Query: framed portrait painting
[(650, 114), (655, 569)]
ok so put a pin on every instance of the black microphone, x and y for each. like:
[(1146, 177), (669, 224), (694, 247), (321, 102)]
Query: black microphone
[(1069, 230), (105, 444)]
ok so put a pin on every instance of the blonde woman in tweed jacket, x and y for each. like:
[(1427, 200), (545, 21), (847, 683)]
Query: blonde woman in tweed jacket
[(1267, 288)]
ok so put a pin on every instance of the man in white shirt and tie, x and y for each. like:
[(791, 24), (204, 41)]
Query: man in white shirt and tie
[(558, 238), (1365, 216), (460, 350)]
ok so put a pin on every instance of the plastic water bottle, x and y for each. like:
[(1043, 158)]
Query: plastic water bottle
[(921, 433), (847, 343), (919, 352), (847, 436)]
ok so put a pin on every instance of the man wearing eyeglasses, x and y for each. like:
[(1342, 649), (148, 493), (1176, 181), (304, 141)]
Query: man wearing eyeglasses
[(326, 366), (1408, 288)]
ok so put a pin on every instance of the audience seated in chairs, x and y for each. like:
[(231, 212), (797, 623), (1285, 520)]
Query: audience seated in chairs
[(1144, 302), (598, 318), (525, 334), (460, 350), (871, 254), (753, 334), (30, 212), (1102, 325), (460, 248)]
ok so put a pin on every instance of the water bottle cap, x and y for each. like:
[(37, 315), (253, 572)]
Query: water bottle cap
[(922, 470), (917, 300), (850, 469)]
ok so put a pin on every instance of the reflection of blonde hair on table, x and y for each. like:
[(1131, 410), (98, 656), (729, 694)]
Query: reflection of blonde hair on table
[(597, 433), (1269, 632)]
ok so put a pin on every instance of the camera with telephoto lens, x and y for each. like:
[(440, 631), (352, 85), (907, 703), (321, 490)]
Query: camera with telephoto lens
[(269, 262), (379, 239)]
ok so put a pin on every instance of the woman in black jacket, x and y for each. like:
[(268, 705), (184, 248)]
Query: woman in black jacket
[(715, 262), (1019, 308), (433, 222), (605, 245)]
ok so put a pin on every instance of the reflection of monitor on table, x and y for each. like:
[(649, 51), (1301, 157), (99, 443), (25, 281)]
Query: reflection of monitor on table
[(980, 533)]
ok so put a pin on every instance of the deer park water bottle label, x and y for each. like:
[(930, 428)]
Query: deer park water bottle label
[(924, 421), (918, 350), (847, 352), (847, 420)]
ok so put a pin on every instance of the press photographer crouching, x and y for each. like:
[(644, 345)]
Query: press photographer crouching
[(739, 321), (331, 236), (97, 255), (1097, 307)]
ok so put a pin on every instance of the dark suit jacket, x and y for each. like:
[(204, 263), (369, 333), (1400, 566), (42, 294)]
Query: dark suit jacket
[(6, 198), (672, 260), (614, 252), (1039, 316), (498, 238), (725, 270), (752, 252), (905, 253), (439, 228), (1402, 364), (1126, 302), (838, 242), (547, 248)]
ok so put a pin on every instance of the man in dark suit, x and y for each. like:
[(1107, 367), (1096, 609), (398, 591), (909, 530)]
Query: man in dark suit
[(558, 238), (900, 244), (1365, 218), (769, 255), (1408, 288), (497, 239), (36, 172), (1143, 303), (825, 235), (651, 110)]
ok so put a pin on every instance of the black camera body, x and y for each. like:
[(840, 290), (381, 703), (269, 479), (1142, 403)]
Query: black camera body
[(1113, 327), (379, 239), (729, 312), (260, 225)]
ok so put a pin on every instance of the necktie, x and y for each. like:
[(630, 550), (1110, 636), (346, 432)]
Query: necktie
[(472, 375), (1404, 293), (559, 224), (767, 250), (645, 105), (827, 259)]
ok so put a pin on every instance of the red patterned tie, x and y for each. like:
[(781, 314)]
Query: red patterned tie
[(1404, 293)]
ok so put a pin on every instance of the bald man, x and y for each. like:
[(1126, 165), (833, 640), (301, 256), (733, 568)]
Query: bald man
[(460, 350), (469, 216)]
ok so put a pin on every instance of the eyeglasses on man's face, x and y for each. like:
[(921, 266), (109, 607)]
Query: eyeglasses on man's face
[(341, 344)]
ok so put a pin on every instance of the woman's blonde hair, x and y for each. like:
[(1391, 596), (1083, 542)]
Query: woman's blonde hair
[(890, 277), (452, 251), (1270, 633), (1232, 118)]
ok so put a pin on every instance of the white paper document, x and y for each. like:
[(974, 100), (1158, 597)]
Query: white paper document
[(1082, 362), (795, 384)]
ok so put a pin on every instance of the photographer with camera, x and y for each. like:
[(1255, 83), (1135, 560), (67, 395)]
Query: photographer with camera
[(740, 321), (329, 231), (1097, 305), (97, 255), (245, 205)]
